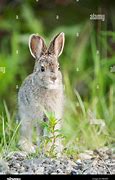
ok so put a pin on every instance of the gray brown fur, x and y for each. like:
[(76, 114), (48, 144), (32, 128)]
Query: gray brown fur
[(41, 90)]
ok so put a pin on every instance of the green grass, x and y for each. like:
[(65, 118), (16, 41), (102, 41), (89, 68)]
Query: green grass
[(9, 132), (97, 130)]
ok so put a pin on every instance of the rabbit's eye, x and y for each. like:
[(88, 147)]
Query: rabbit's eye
[(42, 68), (58, 68)]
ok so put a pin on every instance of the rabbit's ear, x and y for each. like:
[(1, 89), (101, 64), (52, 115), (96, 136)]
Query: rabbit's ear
[(57, 44), (36, 45)]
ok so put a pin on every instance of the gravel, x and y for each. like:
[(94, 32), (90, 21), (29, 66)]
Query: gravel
[(100, 161)]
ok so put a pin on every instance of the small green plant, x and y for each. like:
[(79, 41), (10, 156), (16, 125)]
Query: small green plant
[(51, 134)]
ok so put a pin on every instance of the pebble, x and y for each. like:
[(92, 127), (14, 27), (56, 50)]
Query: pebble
[(79, 161), (73, 173), (40, 170), (84, 156)]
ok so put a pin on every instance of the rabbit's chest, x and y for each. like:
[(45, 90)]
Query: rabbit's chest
[(51, 102)]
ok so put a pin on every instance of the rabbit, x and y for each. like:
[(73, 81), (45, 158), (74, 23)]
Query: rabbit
[(41, 90)]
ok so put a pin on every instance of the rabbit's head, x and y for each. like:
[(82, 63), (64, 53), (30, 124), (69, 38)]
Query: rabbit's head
[(47, 71)]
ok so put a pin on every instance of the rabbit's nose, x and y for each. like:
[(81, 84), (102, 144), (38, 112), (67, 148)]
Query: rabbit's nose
[(53, 78)]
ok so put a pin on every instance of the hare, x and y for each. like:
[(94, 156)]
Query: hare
[(41, 90)]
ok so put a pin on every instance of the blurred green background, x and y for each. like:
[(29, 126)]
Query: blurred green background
[(86, 64)]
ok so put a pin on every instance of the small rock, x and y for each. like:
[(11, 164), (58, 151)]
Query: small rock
[(40, 170), (84, 156), (78, 167), (73, 173), (69, 169), (79, 161), (59, 171), (71, 163), (22, 169)]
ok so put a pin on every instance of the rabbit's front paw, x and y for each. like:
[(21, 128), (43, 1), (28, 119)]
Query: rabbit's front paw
[(26, 146)]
